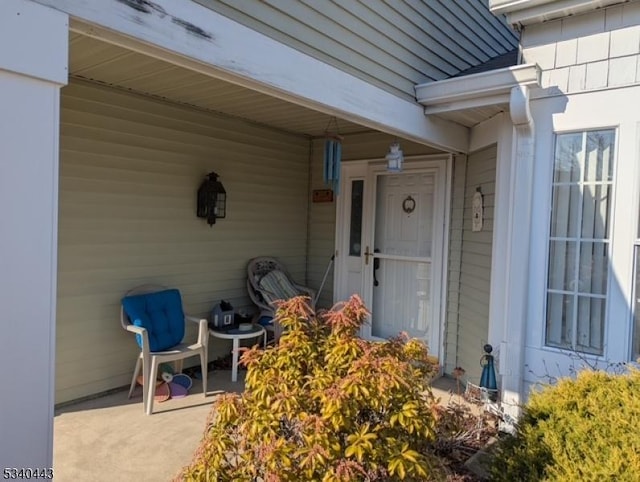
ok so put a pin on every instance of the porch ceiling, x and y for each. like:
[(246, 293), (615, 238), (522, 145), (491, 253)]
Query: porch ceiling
[(99, 61)]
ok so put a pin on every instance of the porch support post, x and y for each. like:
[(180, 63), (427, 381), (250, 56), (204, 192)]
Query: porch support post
[(33, 67), (516, 259)]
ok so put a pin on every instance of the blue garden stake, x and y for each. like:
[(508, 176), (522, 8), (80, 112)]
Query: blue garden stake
[(488, 378)]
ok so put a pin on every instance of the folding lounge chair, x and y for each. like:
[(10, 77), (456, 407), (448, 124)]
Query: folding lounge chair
[(268, 281)]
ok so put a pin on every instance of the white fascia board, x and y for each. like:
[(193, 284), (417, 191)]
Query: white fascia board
[(190, 35), (472, 103), (524, 12), (477, 90), (24, 28), (499, 7)]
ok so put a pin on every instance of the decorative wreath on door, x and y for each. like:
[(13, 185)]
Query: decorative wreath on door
[(409, 205)]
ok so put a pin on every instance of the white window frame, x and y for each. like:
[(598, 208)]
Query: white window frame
[(578, 239), (562, 114)]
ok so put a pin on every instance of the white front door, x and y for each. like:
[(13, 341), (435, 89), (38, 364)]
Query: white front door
[(390, 246)]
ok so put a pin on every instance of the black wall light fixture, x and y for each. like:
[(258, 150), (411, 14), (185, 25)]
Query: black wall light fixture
[(212, 199)]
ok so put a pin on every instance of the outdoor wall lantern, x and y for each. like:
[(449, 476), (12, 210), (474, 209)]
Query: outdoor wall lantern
[(212, 199), (394, 158)]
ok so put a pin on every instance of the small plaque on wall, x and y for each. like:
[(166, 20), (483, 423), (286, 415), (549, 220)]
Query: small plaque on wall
[(322, 196), (477, 211)]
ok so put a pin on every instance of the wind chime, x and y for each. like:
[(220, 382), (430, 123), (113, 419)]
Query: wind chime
[(332, 157)]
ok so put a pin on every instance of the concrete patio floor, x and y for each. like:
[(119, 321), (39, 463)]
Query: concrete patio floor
[(109, 438)]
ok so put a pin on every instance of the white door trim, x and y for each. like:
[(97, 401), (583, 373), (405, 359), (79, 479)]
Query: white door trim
[(368, 169), (348, 173)]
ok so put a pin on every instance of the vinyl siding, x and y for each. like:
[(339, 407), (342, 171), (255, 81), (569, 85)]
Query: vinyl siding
[(470, 264), (592, 51), (456, 225), (129, 170), (322, 216), (394, 45)]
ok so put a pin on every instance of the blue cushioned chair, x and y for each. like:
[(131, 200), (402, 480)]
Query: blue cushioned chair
[(154, 313)]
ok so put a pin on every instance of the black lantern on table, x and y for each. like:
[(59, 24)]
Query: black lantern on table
[(212, 199)]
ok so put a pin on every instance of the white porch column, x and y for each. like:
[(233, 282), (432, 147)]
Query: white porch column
[(514, 265), (33, 67)]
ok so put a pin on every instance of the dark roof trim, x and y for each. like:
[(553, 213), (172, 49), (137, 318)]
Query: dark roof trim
[(508, 59)]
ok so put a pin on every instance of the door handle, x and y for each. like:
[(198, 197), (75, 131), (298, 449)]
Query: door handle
[(376, 267), (367, 253), (376, 262)]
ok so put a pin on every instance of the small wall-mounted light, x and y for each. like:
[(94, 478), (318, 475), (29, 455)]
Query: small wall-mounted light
[(212, 199), (394, 158)]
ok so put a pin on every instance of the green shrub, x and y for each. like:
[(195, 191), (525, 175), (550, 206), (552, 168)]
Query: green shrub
[(325, 405), (587, 429)]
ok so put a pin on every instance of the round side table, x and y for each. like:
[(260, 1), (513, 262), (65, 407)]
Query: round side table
[(236, 334)]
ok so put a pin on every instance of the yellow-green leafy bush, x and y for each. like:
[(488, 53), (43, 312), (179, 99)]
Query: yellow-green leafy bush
[(587, 429), (325, 405)]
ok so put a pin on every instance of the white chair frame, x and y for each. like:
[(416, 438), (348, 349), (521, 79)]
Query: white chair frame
[(149, 361)]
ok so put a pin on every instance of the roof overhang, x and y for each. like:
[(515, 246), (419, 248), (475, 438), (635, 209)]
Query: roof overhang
[(197, 38), (477, 90), (523, 12)]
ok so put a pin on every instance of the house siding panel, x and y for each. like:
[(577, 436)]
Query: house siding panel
[(470, 263), (455, 258), (592, 51), (394, 45), (129, 171)]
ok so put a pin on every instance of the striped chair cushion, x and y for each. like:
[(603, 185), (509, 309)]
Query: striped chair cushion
[(275, 285)]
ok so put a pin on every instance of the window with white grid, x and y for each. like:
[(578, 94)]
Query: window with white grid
[(579, 240)]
